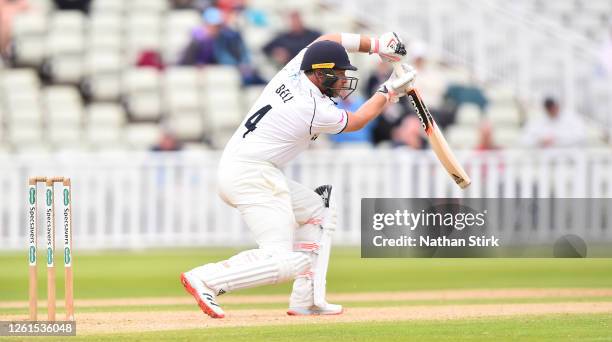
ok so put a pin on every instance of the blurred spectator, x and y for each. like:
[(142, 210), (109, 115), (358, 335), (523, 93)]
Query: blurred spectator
[(168, 142), (432, 85), (199, 5), (430, 81), (379, 76), (182, 4), (8, 10), (150, 59), (288, 44), (215, 43), (485, 141), (392, 115), (556, 129), (78, 5), (408, 133), (458, 94), (241, 16), (364, 135), (201, 48)]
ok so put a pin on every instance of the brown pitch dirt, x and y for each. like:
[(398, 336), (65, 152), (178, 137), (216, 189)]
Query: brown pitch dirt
[(141, 321), (342, 297)]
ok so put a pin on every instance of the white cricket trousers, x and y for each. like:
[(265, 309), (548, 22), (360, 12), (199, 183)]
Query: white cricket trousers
[(278, 212)]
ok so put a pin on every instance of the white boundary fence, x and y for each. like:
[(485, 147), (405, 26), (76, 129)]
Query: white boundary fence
[(146, 200)]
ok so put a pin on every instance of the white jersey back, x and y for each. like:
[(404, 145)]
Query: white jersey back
[(290, 113)]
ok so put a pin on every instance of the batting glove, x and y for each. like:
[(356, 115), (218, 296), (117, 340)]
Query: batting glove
[(389, 47), (395, 87)]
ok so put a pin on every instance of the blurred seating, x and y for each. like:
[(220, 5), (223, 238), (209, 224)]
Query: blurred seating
[(506, 137), (63, 105), (22, 134), (95, 54), (108, 6), (142, 136), (141, 89), (468, 114), (462, 137), (595, 136), (105, 123), (109, 115), (65, 46), (65, 136), (23, 116), (29, 30), (143, 32), (207, 104), (187, 127), (103, 72), (105, 31), (503, 115), (180, 87), (22, 79), (147, 6), (42, 6), (221, 91), (182, 103), (250, 95)]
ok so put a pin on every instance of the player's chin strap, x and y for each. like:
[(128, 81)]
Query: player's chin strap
[(323, 247)]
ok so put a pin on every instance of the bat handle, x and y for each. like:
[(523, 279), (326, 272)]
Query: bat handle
[(399, 71), (397, 68)]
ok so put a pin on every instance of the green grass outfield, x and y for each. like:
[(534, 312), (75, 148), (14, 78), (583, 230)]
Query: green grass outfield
[(535, 328), (156, 273)]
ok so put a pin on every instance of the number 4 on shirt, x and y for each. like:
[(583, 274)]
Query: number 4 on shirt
[(251, 123)]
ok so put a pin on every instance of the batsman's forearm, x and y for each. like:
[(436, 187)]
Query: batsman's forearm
[(366, 113), (351, 42), (365, 44)]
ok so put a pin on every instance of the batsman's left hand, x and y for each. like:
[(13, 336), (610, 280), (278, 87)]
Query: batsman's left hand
[(395, 87), (390, 47)]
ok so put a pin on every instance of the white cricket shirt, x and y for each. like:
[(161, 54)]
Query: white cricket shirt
[(290, 113)]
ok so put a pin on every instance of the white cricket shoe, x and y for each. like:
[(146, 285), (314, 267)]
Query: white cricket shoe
[(329, 309), (202, 294)]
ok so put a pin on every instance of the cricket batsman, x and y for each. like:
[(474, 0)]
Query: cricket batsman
[(291, 223)]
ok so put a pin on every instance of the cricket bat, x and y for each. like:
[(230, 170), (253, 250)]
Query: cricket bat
[(436, 139)]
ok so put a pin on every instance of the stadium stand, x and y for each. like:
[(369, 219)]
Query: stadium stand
[(73, 79)]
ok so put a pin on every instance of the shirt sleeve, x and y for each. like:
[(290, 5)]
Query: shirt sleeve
[(327, 118)]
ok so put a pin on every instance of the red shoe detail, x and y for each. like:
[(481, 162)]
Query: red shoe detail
[(205, 308)]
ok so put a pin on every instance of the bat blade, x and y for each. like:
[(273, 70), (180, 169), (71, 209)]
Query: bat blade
[(437, 141)]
